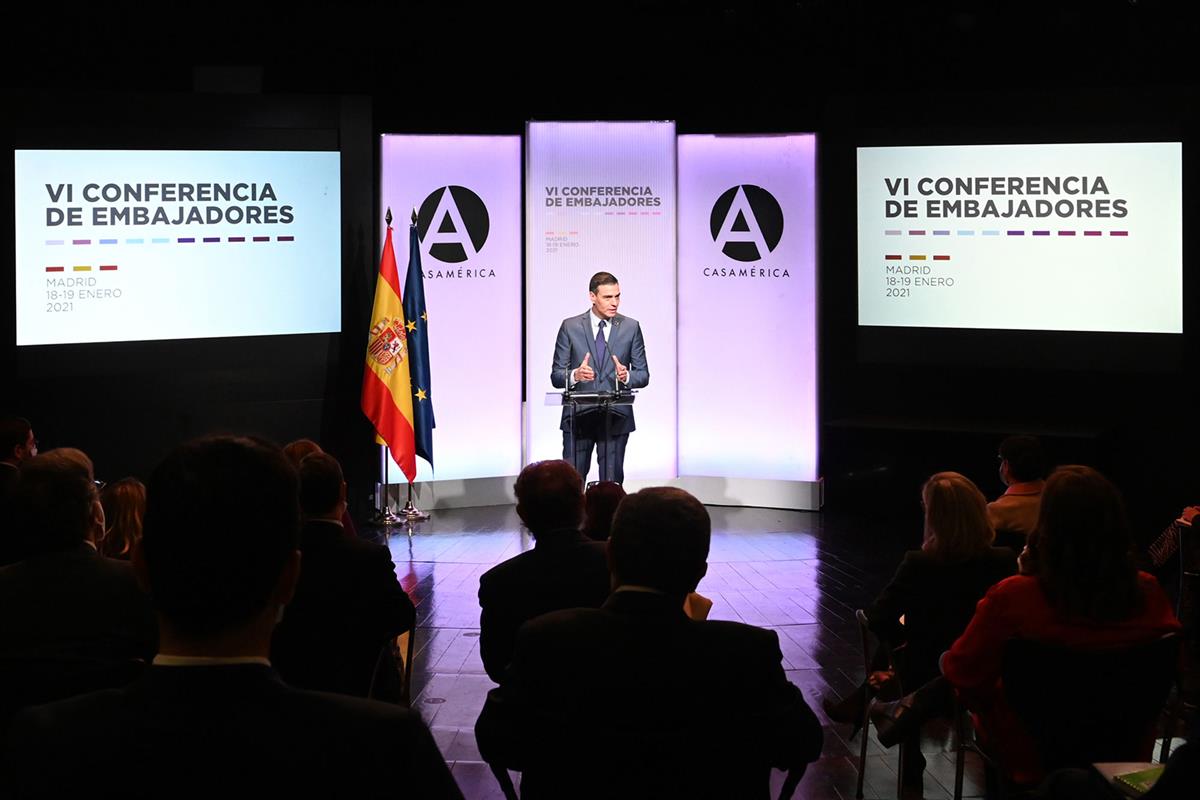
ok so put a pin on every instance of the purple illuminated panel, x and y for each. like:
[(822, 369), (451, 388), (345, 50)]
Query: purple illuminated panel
[(601, 196), (467, 192), (747, 307)]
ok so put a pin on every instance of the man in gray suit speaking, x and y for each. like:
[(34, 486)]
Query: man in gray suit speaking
[(597, 351)]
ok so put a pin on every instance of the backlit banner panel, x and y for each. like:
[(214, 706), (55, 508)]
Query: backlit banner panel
[(136, 245), (747, 307), (467, 193), (601, 196), (1052, 237)]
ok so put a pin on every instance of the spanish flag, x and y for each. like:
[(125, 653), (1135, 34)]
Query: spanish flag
[(387, 397)]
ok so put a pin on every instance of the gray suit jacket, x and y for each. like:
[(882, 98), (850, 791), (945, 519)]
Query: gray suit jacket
[(624, 341)]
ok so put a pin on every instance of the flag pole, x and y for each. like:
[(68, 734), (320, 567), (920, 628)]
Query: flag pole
[(410, 512), (385, 517)]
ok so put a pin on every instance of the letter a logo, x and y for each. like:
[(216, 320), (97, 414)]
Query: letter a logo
[(746, 223), (452, 224)]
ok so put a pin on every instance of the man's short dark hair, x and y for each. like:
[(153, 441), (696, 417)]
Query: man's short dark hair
[(222, 519), (1025, 459), (320, 484), (14, 432), (53, 500), (549, 496), (601, 279), (660, 538)]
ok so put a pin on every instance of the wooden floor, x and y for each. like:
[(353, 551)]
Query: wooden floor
[(800, 574)]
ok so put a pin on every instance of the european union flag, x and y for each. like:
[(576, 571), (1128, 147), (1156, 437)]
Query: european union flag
[(417, 324)]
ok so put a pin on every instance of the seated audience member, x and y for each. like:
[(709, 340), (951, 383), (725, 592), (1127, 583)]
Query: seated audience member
[(1022, 469), (600, 502), (636, 700), (17, 443), (124, 504), (65, 600), (935, 590), (348, 602), (1085, 592), (211, 717), (563, 570), (296, 452)]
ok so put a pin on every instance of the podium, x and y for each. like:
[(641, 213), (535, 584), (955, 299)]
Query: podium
[(585, 401)]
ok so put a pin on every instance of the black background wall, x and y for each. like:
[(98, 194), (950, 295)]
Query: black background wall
[(985, 69)]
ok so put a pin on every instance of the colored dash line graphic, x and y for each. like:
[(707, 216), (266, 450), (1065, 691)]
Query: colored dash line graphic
[(893, 258), (285, 238), (81, 241), (262, 238), (186, 240), (966, 233), (81, 269), (108, 268), (941, 258), (1118, 233), (54, 241), (135, 241), (54, 269), (916, 258), (1093, 233), (941, 233), (892, 233), (160, 241), (1041, 233), (1016, 233), (916, 233), (991, 233), (237, 238), (108, 241), (1066, 233), (211, 239)]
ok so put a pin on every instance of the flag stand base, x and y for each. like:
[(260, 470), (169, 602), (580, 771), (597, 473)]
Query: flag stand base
[(387, 519), (410, 512)]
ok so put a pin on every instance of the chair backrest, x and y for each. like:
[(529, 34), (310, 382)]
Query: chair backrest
[(1085, 705)]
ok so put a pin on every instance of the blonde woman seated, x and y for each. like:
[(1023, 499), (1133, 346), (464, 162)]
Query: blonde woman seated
[(935, 590)]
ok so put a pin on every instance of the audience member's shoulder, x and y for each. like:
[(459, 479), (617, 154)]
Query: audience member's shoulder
[(508, 567), (1015, 587), (748, 635), (567, 621)]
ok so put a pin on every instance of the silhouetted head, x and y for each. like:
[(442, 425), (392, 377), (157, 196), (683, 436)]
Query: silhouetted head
[(297, 450), (600, 502), (322, 487), (222, 526), (1021, 460), (55, 504), (1083, 546), (124, 504), (549, 496), (660, 539), (17, 442)]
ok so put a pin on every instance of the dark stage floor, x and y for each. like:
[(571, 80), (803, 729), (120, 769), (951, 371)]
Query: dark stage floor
[(801, 574)]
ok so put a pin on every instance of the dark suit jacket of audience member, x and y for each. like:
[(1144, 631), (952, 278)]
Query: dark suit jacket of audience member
[(636, 700), (10, 547), (220, 731), (348, 603), (75, 604), (563, 570), (937, 599)]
